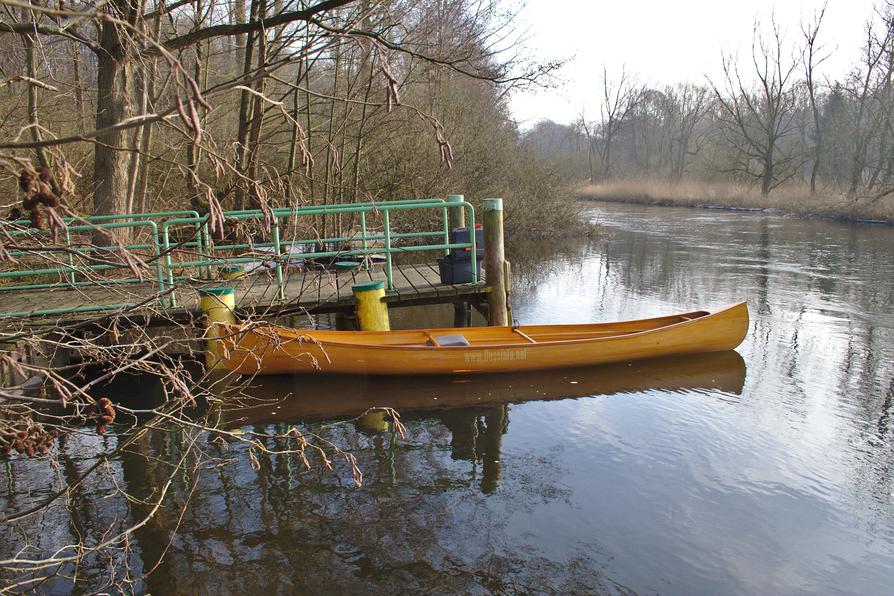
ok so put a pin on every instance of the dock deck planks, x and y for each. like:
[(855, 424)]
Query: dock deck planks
[(311, 290)]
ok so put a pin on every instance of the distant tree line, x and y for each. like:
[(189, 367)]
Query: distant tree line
[(769, 120)]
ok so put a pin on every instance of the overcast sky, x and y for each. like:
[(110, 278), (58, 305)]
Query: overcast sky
[(663, 41)]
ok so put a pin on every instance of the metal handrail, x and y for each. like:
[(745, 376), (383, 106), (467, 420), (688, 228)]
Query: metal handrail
[(277, 244), (69, 272), (161, 247)]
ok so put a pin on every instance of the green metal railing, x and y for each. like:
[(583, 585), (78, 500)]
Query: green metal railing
[(80, 264)]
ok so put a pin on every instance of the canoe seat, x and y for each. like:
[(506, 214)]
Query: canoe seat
[(446, 341)]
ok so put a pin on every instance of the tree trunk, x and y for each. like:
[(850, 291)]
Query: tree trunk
[(767, 174), (136, 157), (294, 142), (257, 114), (75, 53), (110, 184), (31, 66), (244, 108), (358, 149)]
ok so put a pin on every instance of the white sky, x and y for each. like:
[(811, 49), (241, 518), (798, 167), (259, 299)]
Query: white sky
[(664, 42)]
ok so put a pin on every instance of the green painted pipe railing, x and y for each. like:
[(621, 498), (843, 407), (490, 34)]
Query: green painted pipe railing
[(204, 254), (67, 272), (278, 258)]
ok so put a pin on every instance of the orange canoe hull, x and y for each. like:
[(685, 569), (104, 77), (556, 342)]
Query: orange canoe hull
[(277, 350)]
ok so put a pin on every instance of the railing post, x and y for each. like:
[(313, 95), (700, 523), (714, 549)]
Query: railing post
[(208, 246), (169, 266), (474, 241), (386, 223), (457, 214), (159, 268), (200, 251), (278, 252), (462, 312), (494, 256), (71, 262), (366, 257)]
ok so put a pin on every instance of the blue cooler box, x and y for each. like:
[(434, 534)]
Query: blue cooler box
[(462, 235), (456, 268)]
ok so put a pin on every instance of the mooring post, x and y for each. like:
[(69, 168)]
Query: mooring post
[(374, 422), (372, 312), (231, 272), (494, 257), (457, 218), (218, 305)]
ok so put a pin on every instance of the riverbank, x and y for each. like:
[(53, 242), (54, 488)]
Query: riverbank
[(793, 201)]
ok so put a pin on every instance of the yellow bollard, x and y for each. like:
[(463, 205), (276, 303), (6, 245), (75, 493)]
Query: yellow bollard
[(218, 305), (231, 272), (371, 310), (373, 422)]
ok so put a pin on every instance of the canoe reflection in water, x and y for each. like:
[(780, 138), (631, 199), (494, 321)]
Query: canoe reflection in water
[(315, 397), (474, 408)]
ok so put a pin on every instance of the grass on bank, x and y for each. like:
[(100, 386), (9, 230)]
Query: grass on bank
[(793, 199)]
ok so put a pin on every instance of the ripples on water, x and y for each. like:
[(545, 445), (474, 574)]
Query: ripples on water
[(769, 472)]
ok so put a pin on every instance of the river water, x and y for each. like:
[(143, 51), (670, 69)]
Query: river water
[(769, 470)]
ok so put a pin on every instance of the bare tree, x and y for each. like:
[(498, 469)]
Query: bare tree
[(870, 90), (813, 56), (758, 117), (587, 128), (619, 98)]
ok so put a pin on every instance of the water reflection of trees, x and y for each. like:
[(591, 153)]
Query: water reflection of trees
[(418, 522)]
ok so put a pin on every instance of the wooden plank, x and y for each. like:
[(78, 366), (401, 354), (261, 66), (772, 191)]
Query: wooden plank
[(295, 289), (403, 285), (435, 277), (334, 286), (434, 283), (308, 286), (423, 286), (343, 281), (346, 293)]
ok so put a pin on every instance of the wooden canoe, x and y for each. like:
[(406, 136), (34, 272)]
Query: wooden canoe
[(277, 350)]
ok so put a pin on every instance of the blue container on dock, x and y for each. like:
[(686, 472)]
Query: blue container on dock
[(462, 235), (456, 268)]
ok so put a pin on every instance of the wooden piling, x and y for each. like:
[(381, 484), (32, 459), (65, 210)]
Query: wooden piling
[(494, 258)]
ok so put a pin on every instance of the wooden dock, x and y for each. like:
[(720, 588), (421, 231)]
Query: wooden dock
[(304, 291)]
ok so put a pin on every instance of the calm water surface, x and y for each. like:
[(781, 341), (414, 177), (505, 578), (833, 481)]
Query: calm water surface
[(766, 471)]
